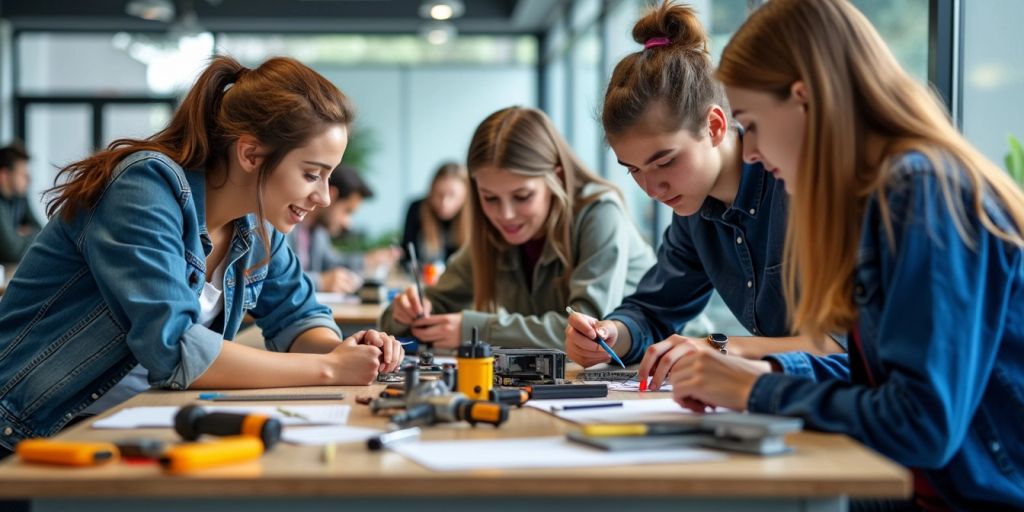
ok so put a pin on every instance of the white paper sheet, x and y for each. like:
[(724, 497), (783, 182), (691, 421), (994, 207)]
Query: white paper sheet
[(163, 417), (632, 411), (332, 434), (537, 452), (336, 298), (629, 386)]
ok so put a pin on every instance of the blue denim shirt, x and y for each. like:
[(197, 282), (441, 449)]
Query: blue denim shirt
[(942, 330), (734, 249), (119, 285)]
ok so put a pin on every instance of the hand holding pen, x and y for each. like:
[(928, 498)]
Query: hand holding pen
[(410, 305), (407, 307), (589, 341)]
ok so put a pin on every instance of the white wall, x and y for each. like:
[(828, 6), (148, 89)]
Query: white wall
[(421, 117)]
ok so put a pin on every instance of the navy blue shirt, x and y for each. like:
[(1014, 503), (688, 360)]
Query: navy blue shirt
[(734, 249)]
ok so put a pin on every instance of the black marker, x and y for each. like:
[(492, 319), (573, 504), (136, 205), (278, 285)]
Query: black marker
[(392, 438), (574, 407)]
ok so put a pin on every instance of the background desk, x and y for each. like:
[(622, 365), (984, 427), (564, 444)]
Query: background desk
[(823, 470), (356, 316)]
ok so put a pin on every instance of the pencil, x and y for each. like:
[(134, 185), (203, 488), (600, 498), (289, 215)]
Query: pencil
[(596, 405), (227, 397)]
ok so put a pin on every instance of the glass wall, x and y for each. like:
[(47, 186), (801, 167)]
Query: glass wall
[(417, 103), (903, 25), (993, 76)]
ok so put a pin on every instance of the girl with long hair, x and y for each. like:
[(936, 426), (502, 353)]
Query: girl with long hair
[(900, 233), (546, 233), (159, 247), (438, 224)]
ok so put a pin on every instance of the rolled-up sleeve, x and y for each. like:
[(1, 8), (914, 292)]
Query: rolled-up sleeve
[(671, 293), (287, 305)]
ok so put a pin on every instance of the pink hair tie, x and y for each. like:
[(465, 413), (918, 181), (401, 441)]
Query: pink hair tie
[(657, 41)]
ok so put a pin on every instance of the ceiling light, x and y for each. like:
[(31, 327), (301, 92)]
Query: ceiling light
[(441, 12), (442, 9), (153, 10)]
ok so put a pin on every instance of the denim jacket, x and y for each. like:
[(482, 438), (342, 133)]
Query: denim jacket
[(734, 249), (119, 285), (942, 335)]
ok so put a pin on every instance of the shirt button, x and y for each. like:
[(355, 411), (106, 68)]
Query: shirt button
[(68, 416), (753, 211), (8, 431), (750, 284), (995, 446), (739, 239), (95, 396)]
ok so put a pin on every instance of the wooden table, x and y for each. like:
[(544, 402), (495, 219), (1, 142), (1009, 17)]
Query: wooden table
[(822, 471), (349, 315)]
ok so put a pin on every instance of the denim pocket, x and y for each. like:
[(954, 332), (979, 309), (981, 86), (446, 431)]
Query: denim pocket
[(253, 286), (195, 272)]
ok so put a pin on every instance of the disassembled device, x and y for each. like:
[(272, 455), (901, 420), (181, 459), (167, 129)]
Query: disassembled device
[(526, 366)]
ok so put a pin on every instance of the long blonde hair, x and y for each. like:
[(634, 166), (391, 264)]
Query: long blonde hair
[(524, 141), (856, 88), (431, 224)]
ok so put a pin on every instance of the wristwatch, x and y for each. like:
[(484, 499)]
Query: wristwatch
[(718, 341)]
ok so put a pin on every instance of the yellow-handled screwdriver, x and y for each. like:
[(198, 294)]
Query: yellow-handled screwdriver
[(67, 453), (188, 457)]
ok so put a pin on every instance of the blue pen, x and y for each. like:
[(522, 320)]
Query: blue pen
[(568, 309)]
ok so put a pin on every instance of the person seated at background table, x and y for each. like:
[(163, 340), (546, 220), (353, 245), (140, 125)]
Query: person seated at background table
[(312, 239), (159, 247), (668, 121), (546, 233), (437, 225), (18, 225), (900, 232)]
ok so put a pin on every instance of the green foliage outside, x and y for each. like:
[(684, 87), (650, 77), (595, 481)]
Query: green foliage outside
[(358, 241), (362, 142), (1015, 160)]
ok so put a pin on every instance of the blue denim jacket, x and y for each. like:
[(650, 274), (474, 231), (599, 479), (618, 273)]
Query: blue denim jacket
[(119, 285), (942, 330), (736, 250)]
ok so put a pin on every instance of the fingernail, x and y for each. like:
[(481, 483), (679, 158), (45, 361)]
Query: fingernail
[(602, 333)]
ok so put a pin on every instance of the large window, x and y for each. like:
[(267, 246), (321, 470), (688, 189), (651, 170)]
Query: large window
[(417, 103), (354, 49), (993, 76)]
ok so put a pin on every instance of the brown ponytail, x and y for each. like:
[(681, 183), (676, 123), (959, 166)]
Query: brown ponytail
[(673, 72), (283, 103)]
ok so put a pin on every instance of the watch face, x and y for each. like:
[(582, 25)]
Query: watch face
[(718, 337)]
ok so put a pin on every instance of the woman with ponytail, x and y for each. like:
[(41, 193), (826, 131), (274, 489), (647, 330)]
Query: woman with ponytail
[(159, 247), (902, 234), (668, 122), (545, 233)]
